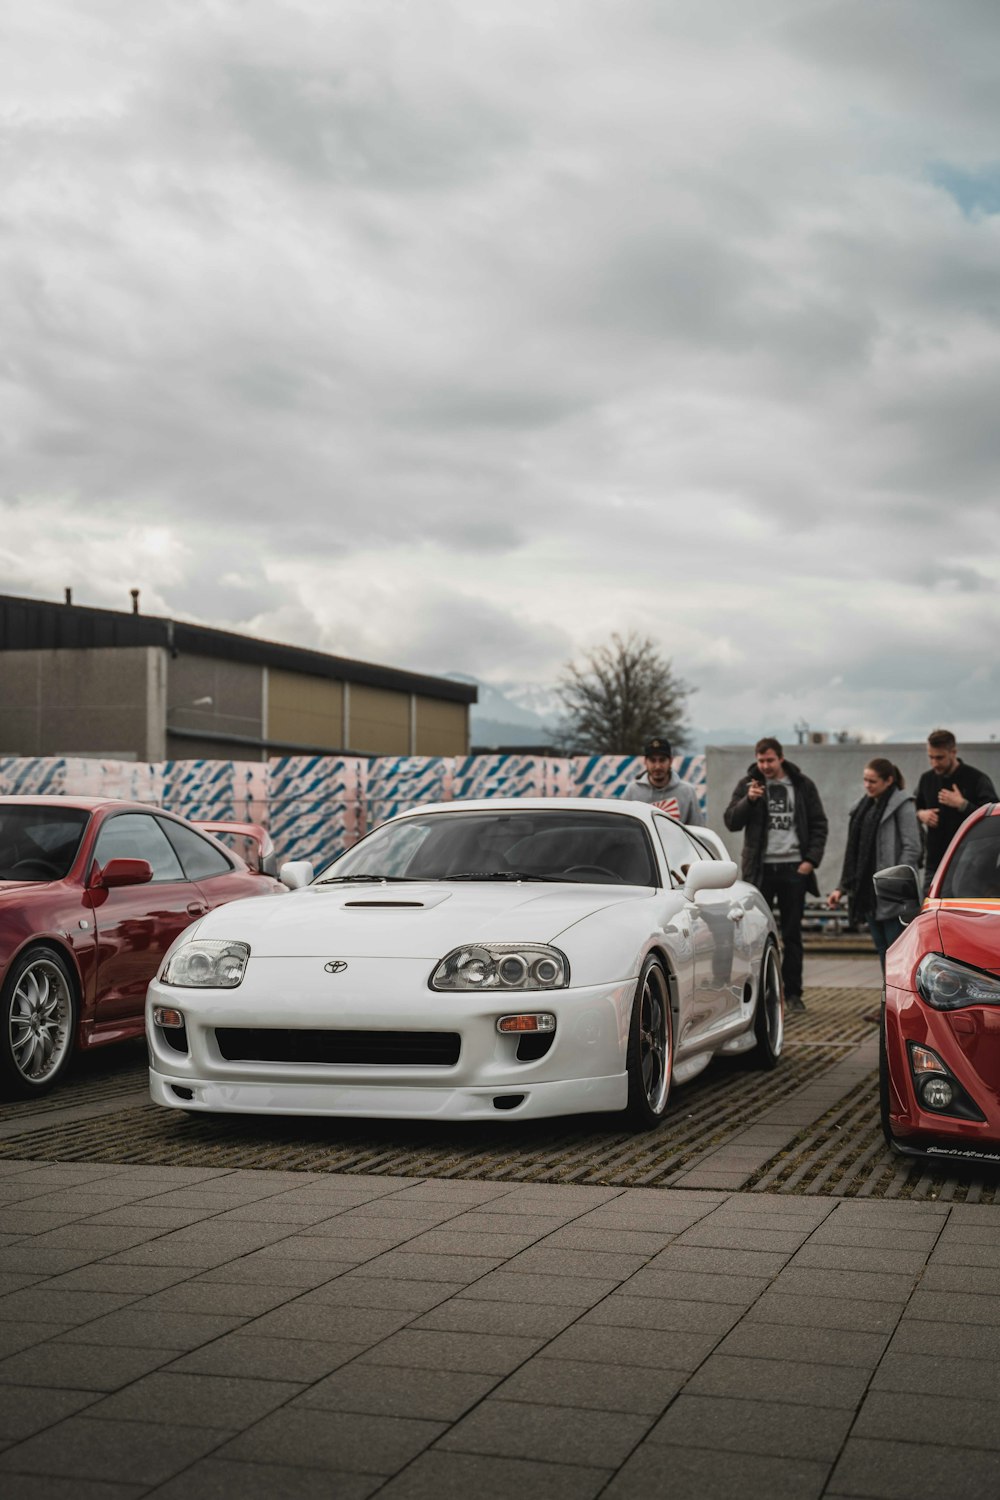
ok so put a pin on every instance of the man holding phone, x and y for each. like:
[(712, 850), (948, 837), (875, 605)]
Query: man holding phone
[(947, 794), (785, 835)]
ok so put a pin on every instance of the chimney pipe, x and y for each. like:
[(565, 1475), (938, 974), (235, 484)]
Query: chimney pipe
[(69, 596), (135, 600)]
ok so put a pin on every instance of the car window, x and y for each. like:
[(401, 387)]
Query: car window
[(974, 869), (200, 859), (39, 843), (138, 836), (557, 845), (682, 852)]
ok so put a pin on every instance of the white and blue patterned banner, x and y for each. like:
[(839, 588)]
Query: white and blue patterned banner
[(317, 806)]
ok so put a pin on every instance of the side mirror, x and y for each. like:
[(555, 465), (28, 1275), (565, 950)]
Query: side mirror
[(296, 873), (899, 887), (125, 872), (710, 875)]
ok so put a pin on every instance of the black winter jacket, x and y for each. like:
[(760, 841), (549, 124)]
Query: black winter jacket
[(810, 823), (975, 786)]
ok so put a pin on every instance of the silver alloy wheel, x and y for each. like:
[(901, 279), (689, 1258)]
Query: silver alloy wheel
[(654, 1039), (770, 999), (40, 1021)]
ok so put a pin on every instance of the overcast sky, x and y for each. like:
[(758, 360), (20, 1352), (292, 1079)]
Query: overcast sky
[(458, 334)]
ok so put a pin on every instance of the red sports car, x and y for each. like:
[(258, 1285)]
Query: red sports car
[(939, 1065), (92, 894)]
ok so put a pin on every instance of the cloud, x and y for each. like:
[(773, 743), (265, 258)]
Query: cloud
[(460, 337)]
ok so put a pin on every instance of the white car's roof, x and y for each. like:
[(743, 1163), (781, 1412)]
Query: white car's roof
[(639, 810)]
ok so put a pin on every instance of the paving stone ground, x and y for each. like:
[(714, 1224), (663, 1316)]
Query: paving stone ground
[(186, 1333)]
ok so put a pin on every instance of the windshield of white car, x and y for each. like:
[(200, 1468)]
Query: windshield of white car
[(507, 844), (380, 879), (501, 875), (973, 871), (39, 843)]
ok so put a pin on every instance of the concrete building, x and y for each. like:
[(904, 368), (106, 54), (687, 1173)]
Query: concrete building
[(128, 686)]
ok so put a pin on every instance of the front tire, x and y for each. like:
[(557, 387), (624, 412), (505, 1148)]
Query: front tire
[(39, 1023), (769, 1016), (650, 1048)]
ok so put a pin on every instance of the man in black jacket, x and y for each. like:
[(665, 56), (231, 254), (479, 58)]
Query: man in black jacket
[(785, 837), (947, 794)]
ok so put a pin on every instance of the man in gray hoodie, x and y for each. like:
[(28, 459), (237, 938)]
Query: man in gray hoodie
[(658, 785)]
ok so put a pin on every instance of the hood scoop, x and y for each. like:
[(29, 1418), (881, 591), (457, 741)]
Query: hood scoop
[(381, 905)]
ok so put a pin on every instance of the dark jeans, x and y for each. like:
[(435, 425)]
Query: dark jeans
[(784, 884), (884, 933)]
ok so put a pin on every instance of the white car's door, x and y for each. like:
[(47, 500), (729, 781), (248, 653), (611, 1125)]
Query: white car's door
[(719, 949)]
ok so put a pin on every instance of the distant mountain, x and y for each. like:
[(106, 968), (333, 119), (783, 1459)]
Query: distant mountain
[(514, 714)]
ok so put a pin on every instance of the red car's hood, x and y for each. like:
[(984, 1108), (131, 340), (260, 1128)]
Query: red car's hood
[(970, 933), (7, 887)]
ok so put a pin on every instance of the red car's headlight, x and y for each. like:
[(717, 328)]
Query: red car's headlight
[(948, 985)]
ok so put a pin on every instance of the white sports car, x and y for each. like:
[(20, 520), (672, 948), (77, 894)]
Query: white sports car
[(471, 961)]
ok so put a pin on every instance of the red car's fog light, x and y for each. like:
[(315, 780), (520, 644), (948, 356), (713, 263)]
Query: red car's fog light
[(936, 1088), (936, 1093)]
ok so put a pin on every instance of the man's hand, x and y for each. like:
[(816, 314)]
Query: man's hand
[(834, 898), (950, 796), (755, 791), (928, 816), (805, 868)]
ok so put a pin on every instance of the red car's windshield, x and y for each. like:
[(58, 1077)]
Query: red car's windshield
[(39, 843), (973, 872)]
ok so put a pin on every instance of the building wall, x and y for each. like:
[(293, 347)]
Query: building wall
[(236, 691), (309, 710), (441, 728), (378, 721), (82, 702), (836, 770), (147, 703)]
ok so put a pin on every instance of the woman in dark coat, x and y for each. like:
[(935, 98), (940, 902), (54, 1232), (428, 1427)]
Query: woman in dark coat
[(883, 831)]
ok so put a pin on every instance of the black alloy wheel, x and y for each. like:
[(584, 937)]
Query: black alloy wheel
[(650, 1048), (769, 1015)]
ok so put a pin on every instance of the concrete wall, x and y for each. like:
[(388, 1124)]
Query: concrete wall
[(836, 770), (83, 702), (236, 691)]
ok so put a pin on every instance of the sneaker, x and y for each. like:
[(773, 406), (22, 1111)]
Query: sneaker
[(794, 1002)]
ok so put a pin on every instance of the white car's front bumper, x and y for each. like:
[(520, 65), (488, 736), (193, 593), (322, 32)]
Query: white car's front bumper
[(582, 1071)]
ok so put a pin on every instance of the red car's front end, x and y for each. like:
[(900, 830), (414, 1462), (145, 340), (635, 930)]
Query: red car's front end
[(940, 1064)]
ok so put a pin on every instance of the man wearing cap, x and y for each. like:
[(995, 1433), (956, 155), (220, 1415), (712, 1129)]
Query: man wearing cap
[(658, 785)]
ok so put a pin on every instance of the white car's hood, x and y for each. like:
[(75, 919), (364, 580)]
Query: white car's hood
[(420, 920)]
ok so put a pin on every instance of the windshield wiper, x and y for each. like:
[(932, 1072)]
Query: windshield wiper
[(499, 875), (378, 879)]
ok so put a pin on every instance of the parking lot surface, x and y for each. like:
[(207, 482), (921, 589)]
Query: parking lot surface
[(778, 1309)]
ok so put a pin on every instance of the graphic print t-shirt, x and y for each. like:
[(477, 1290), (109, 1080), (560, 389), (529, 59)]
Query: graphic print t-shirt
[(782, 840)]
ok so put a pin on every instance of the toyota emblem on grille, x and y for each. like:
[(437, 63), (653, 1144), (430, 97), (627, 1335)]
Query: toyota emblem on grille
[(335, 966)]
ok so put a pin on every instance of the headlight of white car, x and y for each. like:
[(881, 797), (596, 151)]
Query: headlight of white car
[(502, 966), (206, 964)]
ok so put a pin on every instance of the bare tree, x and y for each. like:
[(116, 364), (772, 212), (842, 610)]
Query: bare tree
[(622, 695)]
